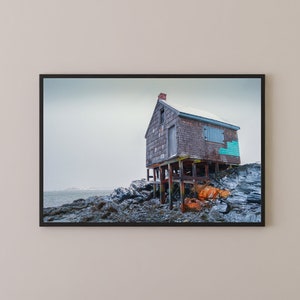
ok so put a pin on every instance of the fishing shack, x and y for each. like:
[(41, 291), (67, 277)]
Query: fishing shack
[(184, 145)]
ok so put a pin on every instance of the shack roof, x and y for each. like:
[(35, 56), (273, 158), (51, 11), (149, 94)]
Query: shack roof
[(197, 114), (194, 114)]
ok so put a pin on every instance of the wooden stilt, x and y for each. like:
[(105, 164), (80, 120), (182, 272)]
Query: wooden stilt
[(194, 173), (148, 175), (181, 183), (154, 184), (162, 185), (216, 167), (206, 171), (170, 186)]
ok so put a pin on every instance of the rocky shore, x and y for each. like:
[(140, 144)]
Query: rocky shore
[(137, 204)]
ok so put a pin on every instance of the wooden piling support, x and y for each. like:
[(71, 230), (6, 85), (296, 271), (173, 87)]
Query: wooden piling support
[(148, 175), (206, 171), (216, 167), (162, 185), (170, 186), (181, 183), (154, 184), (194, 173)]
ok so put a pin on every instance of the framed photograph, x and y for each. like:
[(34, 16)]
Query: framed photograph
[(152, 150)]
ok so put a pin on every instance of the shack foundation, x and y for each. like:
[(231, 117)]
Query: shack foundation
[(180, 171)]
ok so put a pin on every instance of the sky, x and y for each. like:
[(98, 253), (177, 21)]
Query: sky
[(94, 128)]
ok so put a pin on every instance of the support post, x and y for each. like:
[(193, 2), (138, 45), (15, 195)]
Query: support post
[(194, 173), (147, 174), (162, 185), (170, 186), (154, 185), (181, 183), (206, 171), (216, 167)]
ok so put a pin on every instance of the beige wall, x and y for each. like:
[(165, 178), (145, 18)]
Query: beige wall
[(134, 36)]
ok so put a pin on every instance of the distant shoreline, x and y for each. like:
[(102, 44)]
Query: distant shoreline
[(79, 189), (60, 197)]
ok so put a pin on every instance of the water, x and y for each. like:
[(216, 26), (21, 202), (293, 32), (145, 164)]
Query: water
[(57, 198)]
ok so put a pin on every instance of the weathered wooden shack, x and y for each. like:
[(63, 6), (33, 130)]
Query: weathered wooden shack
[(183, 145)]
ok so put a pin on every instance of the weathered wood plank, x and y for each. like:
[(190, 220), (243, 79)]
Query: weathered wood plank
[(194, 173), (162, 185), (154, 185), (170, 186), (181, 183), (206, 171)]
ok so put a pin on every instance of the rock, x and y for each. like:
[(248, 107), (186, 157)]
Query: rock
[(121, 194), (86, 219), (106, 215), (92, 200), (244, 187), (140, 189), (111, 206), (136, 203), (99, 205), (140, 185), (76, 202), (111, 209), (254, 198), (215, 215)]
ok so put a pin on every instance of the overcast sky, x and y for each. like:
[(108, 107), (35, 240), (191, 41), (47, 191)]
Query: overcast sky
[(94, 129)]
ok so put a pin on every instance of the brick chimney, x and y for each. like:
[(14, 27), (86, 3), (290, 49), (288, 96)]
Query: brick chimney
[(162, 96)]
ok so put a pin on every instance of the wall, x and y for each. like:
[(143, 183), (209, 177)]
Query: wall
[(111, 36), (156, 137), (192, 142)]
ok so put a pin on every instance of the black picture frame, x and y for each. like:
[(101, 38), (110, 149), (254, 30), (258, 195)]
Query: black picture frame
[(248, 210)]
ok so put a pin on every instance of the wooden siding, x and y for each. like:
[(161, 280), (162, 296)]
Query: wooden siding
[(191, 142), (157, 135), (189, 139)]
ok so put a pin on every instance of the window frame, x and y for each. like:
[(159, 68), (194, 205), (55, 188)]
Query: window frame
[(208, 136)]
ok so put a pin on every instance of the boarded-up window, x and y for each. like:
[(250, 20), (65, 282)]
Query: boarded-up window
[(213, 134), (172, 149), (162, 116)]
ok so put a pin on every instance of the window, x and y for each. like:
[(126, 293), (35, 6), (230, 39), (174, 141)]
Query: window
[(213, 134), (172, 148), (162, 116)]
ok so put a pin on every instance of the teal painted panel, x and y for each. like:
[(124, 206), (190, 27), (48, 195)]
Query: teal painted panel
[(231, 149)]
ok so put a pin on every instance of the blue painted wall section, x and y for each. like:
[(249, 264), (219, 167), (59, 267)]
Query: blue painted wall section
[(231, 149)]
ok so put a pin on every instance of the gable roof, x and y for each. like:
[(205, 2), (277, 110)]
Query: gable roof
[(193, 114), (196, 114)]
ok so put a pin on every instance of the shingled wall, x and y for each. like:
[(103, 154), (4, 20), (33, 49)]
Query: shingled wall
[(191, 142), (190, 139), (156, 137)]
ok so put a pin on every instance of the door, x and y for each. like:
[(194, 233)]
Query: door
[(172, 149)]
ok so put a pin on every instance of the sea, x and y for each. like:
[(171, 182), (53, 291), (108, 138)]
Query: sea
[(58, 198)]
